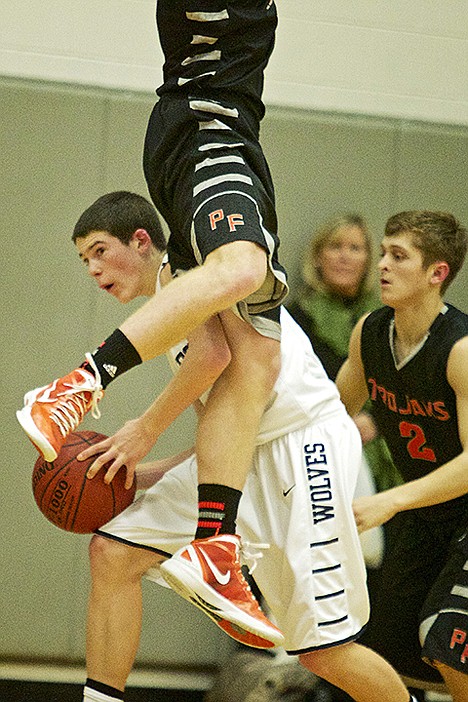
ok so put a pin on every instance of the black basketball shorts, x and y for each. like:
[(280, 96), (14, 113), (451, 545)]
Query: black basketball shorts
[(208, 177), (444, 617)]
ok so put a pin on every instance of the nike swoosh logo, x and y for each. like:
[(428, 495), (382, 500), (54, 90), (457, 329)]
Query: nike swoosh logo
[(222, 578), (286, 492)]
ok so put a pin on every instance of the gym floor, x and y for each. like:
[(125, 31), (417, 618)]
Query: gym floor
[(34, 691), (61, 683)]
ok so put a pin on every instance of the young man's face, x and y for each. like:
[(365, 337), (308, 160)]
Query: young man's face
[(117, 268), (403, 278)]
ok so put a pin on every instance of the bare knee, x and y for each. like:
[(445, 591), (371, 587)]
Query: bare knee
[(264, 367), (252, 356), (237, 270), (112, 561), (107, 558)]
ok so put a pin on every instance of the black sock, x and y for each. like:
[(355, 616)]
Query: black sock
[(217, 510), (114, 356), (96, 686)]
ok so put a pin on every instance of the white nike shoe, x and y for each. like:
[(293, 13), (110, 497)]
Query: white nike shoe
[(208, 573)]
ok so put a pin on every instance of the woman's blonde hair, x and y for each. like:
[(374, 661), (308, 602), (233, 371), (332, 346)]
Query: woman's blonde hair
[(324, 235)]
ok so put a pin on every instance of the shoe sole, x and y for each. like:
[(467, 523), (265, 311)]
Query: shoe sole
[(232, 630), (187, 584), (242, 636), (46, 449)]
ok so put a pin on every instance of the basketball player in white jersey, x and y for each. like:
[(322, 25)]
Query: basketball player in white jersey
[(208, 176), (297, 498)]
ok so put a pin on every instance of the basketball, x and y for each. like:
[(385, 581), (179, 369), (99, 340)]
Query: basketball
[(68, 498)]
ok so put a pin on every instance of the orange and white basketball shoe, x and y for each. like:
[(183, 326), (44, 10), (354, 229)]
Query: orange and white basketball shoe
[(50, 413), (208, 573)]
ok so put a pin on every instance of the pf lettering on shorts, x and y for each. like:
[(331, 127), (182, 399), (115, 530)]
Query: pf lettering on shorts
[(458, 641), (233, 220)]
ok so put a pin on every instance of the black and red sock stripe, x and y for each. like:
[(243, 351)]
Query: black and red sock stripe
[(211, 515), (217, 510)]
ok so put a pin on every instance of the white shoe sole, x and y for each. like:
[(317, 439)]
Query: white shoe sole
[(185, 581), (40, 442)]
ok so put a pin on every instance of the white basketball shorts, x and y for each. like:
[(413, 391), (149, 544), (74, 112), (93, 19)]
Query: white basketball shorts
[(298, 500)]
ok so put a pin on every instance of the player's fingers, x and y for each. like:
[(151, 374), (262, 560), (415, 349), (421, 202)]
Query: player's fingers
[(358, 520), (93, 450), (130, 477), (96, 466), (113, 470)]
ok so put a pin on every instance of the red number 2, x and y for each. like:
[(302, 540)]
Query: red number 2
[(416, 445)]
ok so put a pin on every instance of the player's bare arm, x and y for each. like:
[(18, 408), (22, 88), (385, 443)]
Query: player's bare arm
[(148, 473), (446, 482), (351, 380), (207, 356)]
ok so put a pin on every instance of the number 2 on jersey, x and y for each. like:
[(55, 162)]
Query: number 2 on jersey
[(417, 440)]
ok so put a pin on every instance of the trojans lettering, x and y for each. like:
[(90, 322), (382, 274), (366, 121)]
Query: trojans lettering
[(320, 488), (411, 406)]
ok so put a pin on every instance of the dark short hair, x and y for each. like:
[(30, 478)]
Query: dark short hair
[(120, 214), (437, 235)]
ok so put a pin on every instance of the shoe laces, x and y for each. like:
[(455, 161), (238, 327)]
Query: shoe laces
[(251, 554), (97, 391), (73, 403)]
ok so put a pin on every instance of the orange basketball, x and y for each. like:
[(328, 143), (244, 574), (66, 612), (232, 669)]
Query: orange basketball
[(68, 498)]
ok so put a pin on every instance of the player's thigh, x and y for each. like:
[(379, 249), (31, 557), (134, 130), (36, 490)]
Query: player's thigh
[(214, 189), (233, 214)]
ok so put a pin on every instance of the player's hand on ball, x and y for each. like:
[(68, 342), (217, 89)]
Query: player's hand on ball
[(373, 510), (67, 498), (125, 448)]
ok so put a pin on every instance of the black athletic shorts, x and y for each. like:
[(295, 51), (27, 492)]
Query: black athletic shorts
[(208, 177), (420, 610), (444, 616)]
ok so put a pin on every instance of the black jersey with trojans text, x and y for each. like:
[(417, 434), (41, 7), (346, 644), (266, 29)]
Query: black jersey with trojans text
[(413, 403)]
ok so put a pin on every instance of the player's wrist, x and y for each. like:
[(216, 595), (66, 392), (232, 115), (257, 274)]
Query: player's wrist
[(400, 498)]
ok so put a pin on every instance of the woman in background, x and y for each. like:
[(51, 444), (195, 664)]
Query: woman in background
[(337, 287)]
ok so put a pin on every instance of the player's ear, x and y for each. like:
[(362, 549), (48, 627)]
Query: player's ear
[(440, 271), (141, 239)]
